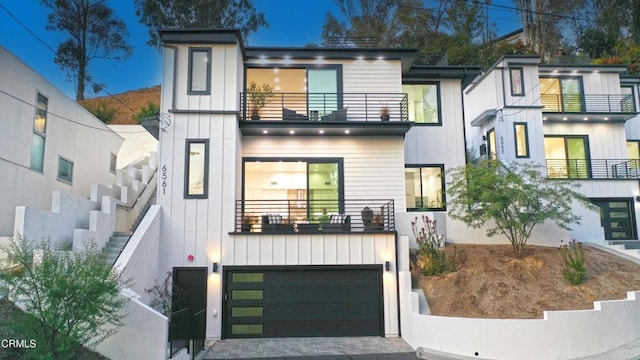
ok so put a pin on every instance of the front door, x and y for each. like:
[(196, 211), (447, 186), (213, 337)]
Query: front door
[(617, 218)]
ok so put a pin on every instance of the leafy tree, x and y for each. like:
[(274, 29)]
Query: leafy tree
[(596, 43), (185, 14), (102, 109), (517, 197), (94, 33), (71, 295), (151, 109)]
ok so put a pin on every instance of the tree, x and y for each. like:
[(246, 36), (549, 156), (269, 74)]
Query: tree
[(94, 33), (186, 14), (71, 295), (517, 197)]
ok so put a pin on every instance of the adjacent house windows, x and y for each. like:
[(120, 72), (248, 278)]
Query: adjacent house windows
[(424, 184), (196, 169), (517, 81), (617, 217), (424, 103), (567, 156), (65, 170), (199, 71), (113, 163), (39, 133), (522, 139)]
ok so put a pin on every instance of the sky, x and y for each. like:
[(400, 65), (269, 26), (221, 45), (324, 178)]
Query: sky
[(292, 23)]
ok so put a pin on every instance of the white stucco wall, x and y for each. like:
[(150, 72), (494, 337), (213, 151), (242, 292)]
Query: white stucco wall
[(138, 143), (71, 132)]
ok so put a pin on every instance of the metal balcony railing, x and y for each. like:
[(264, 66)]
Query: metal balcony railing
[(588, 103), (314, 216), (593, 168), (325, 107)]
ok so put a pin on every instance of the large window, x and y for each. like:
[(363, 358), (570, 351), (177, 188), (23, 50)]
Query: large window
[(196, 169), (567, 156), (65, 170), (199, 71), (39, 133), (522, 139), (561, 94), (424, 103), (517, 81), (424, 185), (297, 189)]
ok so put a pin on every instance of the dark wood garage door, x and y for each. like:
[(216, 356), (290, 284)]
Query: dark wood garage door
[(286, 301)]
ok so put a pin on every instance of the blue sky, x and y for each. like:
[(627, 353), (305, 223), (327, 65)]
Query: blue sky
[(292, 23)]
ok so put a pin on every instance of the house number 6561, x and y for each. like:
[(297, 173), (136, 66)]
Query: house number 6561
[(164, 179)]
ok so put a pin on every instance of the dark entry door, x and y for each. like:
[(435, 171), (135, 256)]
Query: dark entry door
[(188, 303), (617, 218), (296, 301)]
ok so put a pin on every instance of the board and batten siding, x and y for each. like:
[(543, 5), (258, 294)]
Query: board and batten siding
[(321, 249), (606, 141), (373, 166), (601, 83)]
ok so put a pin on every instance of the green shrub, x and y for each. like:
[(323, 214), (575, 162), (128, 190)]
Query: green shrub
[(102, 109), (573, 268), (432, 258), (150, 109)]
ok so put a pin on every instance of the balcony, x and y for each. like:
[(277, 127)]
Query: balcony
[(585, 107), (314, 216), (620, 169), (333, 113)]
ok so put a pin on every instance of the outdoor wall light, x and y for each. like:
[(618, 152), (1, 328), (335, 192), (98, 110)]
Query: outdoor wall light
[(638, 198), (214, 268), (387, 266)]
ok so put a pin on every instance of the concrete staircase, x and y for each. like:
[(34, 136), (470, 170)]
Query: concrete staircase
[(114, 246)]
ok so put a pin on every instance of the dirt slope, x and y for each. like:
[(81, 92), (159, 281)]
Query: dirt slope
[(491, 283), (126, 102)]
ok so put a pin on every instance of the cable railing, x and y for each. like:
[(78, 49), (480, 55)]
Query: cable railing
[(314, 216), (593, 168), (588, 103), (325, 107)]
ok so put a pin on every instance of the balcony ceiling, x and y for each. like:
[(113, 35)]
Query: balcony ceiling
[(309, 128), (587, 117)]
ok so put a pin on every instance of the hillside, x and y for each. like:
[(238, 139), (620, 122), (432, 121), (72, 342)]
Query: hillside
[(125, 102)]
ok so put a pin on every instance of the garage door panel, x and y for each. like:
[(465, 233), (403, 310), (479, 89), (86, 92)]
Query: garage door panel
[(281, 301)]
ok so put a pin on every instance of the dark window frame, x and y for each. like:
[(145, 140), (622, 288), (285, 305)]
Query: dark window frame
[(511, 79), (587, 150), (442, 181), (58, 177), (190, 90), (630, 201), (439, 101), (113, 161), (205, 192), (526, 139), (490, 154), (583, 106), (633, 93)]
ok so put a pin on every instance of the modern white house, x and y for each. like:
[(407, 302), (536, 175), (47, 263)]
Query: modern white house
[(572, 120), (49, 143)]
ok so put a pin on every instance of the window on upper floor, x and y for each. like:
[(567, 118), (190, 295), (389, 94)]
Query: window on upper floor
[(517, 81), (521, 137), (199, 71), (424, 185), (196, 169), (39, 133), (424, 103), (65, 170), (561, 94), (567, 156), (633, 149), (113, 161)]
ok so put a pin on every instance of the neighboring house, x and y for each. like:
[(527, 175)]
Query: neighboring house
[(571, 120), (49, 143)]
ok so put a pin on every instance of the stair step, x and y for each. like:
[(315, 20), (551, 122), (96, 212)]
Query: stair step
[(121, 234), (111, 250), (119, 239)]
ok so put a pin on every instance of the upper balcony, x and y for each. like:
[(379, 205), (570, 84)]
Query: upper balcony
[(313, 114), (598, 169), (579, 107)]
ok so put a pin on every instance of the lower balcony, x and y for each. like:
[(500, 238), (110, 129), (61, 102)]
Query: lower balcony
[(619, 169), (314, 216)]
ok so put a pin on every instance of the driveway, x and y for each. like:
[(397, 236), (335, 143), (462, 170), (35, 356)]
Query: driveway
[(352, 348)]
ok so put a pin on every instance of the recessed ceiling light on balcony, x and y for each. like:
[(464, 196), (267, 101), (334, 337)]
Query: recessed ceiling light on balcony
[(291, 132), (276, 70), (265, 131), (381, 57), (544, 118), (606, 118), (360, 57), (564, 118), (347, 131), (586, 118), (321, 132)]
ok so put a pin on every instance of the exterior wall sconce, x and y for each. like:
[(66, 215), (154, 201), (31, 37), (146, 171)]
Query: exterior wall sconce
[(214, 268), (638, 198), (387, 266)]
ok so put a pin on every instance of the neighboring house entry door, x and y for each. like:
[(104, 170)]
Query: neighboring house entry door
[(617, 218), (286, 301), (188, 308)]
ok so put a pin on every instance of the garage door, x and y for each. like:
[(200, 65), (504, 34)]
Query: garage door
[(286, 301)]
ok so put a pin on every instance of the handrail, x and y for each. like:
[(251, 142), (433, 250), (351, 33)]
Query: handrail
[(593, 168), (588, 103)]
